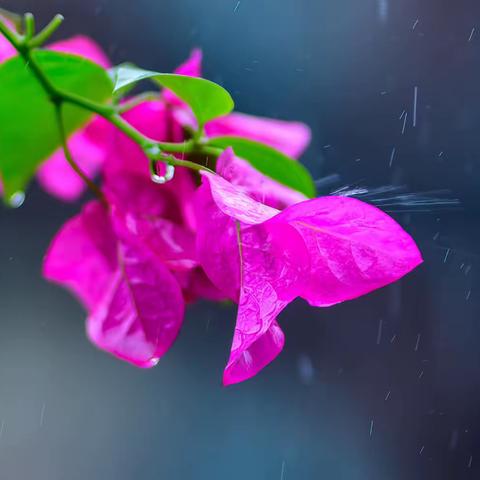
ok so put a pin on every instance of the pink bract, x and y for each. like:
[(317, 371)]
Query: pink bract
[(135, 304), (325, 250)]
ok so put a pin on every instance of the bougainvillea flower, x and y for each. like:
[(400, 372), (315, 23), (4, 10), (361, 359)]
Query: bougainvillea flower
[(109, 260), (326, 250), (89, 146)]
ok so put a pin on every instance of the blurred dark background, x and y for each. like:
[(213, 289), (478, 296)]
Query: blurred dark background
[(384, 387)]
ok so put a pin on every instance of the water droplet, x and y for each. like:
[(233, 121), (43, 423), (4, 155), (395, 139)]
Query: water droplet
[(154, 361), (16, 200), (161, 179)]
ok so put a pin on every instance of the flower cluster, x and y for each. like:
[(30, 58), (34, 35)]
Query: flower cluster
[(138, 258)]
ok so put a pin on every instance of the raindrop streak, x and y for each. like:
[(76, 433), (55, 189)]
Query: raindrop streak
[(471, 34), (470, 460), (306, 370), (467, 297), (417, 342), (379, 333), (387, 396), (236, 7), (421, 450), (447, 253), (404, 122), (415, 24), (282, 475), (415, 98), (392, 156), (371, 427)]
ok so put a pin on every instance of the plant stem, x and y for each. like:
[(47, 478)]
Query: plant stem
[(68, 155), (29, 26), (47, 32), (143, 97), (153, 149)]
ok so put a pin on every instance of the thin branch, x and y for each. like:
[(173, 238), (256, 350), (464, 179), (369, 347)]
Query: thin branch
[(153, 149), (68, 155), (133, 102)]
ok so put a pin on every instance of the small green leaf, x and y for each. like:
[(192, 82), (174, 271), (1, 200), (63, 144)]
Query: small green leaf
[(270, 162), (207, 99), (29, 131)]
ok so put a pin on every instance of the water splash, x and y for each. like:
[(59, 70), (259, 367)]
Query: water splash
[(392, 198)]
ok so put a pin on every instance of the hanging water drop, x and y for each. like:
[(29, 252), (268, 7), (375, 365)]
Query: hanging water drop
[(16, 200), (161, 179)]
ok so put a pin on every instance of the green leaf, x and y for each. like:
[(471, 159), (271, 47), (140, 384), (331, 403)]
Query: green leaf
[(270, 162), (207, 99), (29, 132)]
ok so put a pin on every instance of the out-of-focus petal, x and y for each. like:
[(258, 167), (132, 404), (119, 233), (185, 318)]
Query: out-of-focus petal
[(263, 189), (196, 286), (82, 256), (150, 118), (291, 138), (141, 312), (83, 47), (192, 67), (6, 48), (152, 214)]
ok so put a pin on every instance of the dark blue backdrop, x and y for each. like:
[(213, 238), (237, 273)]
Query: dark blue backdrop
[(341, 402)]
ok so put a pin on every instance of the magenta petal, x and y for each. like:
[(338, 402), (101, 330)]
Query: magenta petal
[(263, 189), (291, 138), (151, 213), (150, 118), (142, 310), (192, 67), (217, 246), (354, 248), (269, 279), (325, 250), (234, 203), (83, 47), (82, 256), (7, 50)]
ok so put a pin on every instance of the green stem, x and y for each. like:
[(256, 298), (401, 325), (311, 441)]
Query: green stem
[(71, 161), (12, 37), (29, 26), (47, 32), (143, 97), (153, 149)]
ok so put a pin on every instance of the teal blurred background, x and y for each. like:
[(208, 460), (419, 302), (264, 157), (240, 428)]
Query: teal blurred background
[(385, 387)]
